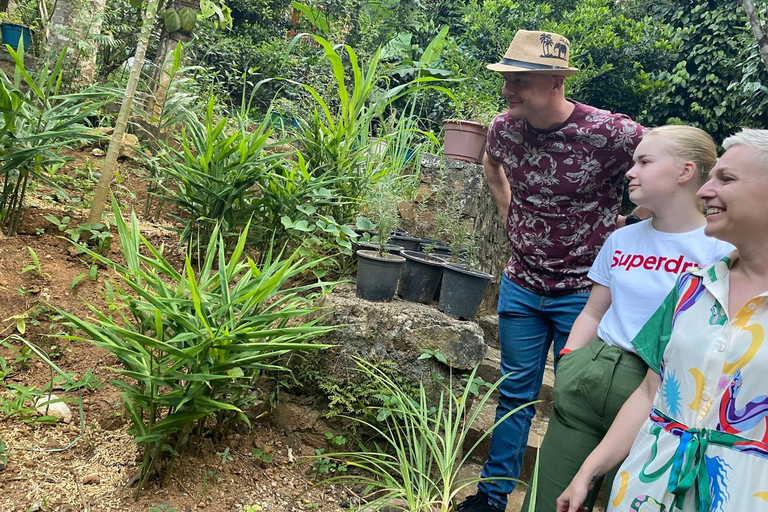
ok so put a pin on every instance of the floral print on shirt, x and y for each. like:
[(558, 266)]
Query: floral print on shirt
[(566, 188)]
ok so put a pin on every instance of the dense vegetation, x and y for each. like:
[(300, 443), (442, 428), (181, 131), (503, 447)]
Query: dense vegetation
[(680, 61), (268, 131)]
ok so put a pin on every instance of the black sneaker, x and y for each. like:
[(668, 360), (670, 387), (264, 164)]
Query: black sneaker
[(477, 503)]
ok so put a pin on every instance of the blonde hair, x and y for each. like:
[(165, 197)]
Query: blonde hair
[(689, 144), (757, 139)]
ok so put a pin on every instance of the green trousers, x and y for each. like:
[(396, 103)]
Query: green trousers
[(591, 385)]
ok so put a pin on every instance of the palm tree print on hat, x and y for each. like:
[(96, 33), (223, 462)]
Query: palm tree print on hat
[(561, 47), (546, 44)]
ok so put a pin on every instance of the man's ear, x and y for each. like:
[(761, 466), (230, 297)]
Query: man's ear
[(687, 172), (557, 83)]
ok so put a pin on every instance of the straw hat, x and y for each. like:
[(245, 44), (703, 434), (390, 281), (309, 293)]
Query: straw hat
[(536, 52)]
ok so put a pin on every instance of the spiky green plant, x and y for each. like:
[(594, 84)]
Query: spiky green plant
[(194, 343), (213, 177), (39, 122), (336, 138), (415, 463)]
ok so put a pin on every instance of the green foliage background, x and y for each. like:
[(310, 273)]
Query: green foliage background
[(681, 61)]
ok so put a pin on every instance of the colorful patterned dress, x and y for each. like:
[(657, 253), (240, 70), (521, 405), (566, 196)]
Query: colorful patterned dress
[(704, 447)]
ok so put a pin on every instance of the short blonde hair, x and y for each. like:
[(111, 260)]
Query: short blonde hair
[(757, 139), (689, 144)]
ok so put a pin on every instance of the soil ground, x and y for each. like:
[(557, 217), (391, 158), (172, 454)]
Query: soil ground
[(89, 463)]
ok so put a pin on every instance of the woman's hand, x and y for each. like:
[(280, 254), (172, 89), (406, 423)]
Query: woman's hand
[(573, 497)]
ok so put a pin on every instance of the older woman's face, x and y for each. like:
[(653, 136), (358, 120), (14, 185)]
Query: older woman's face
[(736, 197)]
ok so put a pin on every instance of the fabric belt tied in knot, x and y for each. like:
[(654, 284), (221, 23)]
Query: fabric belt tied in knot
[(689, 468)]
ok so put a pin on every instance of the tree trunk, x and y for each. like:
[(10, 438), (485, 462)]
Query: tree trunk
[(102, 189), (77, 18), (161, 79), (758, 29)]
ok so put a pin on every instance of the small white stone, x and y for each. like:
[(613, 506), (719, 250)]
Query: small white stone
[(57, 409)]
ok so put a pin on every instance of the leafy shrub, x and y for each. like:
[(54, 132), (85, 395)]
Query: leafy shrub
[(335, 140), (244, 55), (491, 25), (708, 86), (194, 343), (348, 393), (616, 56)]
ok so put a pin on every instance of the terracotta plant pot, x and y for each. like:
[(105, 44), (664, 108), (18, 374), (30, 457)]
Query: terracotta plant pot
[(464, 140)]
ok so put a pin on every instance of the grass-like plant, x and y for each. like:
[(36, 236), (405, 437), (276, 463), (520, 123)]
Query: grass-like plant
[(418, 448), (39, 121), (335, 139), (194, 343), (214, 178)]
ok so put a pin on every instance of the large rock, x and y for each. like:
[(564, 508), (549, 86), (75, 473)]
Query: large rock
[(394, 335), (48, 405), (399, 331), (490, 326), (129, 148)]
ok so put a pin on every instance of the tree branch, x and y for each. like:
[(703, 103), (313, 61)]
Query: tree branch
[(758, 29)]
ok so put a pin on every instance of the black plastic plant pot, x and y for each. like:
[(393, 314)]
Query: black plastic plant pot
[(436, 249), (373, 246), (361, 232), (420, 277), (462, 291), (377, 276), (409, 243)]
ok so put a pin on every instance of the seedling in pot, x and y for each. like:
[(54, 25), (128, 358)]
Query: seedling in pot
[(382, 209)]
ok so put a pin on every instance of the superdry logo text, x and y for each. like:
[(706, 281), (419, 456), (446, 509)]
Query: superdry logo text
[(673, 265)]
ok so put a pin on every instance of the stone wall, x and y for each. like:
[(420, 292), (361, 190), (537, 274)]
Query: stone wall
[(468, 182), (6, 62), (8, 65)]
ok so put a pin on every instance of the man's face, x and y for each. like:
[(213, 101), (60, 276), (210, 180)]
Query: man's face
[(529, 94)]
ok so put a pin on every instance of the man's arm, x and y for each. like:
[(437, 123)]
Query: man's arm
[(614, 447), (497, 182)]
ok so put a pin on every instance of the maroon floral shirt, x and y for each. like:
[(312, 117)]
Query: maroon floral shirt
[(566, 191)]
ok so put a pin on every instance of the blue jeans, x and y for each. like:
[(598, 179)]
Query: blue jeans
[(528, 323)]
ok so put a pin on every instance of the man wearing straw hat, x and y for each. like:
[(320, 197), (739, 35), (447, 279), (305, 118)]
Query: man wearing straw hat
[(555, 168)]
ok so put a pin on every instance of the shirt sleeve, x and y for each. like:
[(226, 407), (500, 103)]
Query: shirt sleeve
[(493, 143), (601, 268), (652, 340)]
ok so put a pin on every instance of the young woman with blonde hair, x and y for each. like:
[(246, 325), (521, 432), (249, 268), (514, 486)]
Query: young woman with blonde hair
[(635, 269)]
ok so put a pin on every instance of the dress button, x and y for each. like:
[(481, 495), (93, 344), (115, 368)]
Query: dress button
[(720, 347), (705, 396)]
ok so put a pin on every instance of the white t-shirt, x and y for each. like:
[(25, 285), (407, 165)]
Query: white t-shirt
[(640, 264)]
